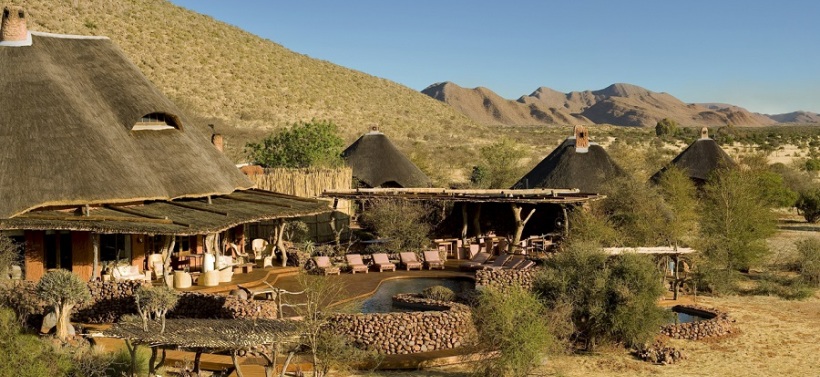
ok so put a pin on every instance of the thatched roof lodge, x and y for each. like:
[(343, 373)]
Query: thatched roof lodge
[(95, 157), (376, 162), (700, 159), (576, 163)]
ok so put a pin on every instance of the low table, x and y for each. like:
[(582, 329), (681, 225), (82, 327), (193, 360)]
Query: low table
[(243, 268)]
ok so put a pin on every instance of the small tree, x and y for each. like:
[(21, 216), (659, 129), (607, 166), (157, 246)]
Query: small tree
[(808, 261), (665, 127), (515, 324), (500, 165), (328, 350), (63, 290), (314, 143), (735, 222), (637, 211), (155, 300), (808, 205), (679, 194)]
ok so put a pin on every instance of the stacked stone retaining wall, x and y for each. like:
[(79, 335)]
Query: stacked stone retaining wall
[(112, 300), (718, 326), (504, 278), (448, 325)]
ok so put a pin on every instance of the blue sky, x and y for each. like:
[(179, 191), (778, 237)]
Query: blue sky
[(762, 55)]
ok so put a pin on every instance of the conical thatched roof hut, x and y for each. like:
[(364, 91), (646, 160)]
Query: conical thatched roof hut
[(576, 163), (377, 163), (700, 159), (82, 125)]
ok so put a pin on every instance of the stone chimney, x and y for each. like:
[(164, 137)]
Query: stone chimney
[(704, 133), (13, 28), (581, 139), (216, 139)]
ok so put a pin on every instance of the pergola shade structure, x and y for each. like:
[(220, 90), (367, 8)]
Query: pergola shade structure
[(522, 204)]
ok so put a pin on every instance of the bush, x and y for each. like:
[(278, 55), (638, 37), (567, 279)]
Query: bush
[(808, 205), (808, 261), (157, 301), (500, 165), (514, 323), (303, 145), (9, 255), (403, 224), (610, 299), (23, 355), (21, 297), (438, 293)]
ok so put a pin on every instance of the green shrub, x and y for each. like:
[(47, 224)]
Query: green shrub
[(808, 205), (611, 299), (23, 355), (439, 293), (404, 224), (303, 145), (22, 298), (63, 290), (808, 261), (516, 325)]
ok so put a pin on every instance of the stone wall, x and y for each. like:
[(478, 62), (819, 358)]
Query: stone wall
[(719, 325), (112, 300), (505, 278), (448, 325)]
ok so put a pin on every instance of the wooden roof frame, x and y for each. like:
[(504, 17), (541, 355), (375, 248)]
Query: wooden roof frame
[(520, 196)]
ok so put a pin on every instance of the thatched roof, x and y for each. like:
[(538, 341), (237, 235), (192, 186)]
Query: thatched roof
[(213, 334), (69, 105), (178, 217), (377, 163), (567, 168), (699, 160)]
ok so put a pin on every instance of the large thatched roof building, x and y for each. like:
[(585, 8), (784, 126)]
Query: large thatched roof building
[(377, 163), (93, 152), (700, 159), (576, 163)]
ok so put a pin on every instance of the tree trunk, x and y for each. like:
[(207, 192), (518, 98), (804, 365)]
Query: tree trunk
[(464, 222), (63, 320), (167, 249), (280, 241), (95, 269), (477, 221), (519, 225), (132, 350)]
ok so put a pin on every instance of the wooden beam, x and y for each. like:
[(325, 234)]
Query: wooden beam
[(185, 205), (138, 213), (95, 218)]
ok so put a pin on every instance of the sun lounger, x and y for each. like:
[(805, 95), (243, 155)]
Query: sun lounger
[(409, 260), (433, 260), (525, 265), (498, 262), (514, 262), (476, 263), (382, 263), (325, 267), (356, 264)]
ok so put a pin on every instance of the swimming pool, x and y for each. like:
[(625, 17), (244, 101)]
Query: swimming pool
[(382, 300)]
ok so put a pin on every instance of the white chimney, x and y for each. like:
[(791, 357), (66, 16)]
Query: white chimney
[(13, 27)]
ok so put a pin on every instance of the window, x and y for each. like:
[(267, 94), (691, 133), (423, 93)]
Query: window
[(156, 122), (115, 247), (57, 247)]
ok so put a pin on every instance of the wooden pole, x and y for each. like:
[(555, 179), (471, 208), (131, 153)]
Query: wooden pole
[(95, 269), (676, 259)]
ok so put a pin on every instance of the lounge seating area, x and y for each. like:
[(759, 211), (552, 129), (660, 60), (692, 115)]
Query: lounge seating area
[(410, 261)]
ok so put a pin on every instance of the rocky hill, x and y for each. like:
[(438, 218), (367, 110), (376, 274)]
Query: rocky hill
[(617, 104), (247, 85)]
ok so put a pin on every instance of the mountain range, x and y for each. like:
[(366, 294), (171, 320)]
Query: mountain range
[(618, 104)]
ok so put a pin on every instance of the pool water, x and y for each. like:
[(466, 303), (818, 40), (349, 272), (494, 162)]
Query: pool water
[(680, 317), (382, 300)]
